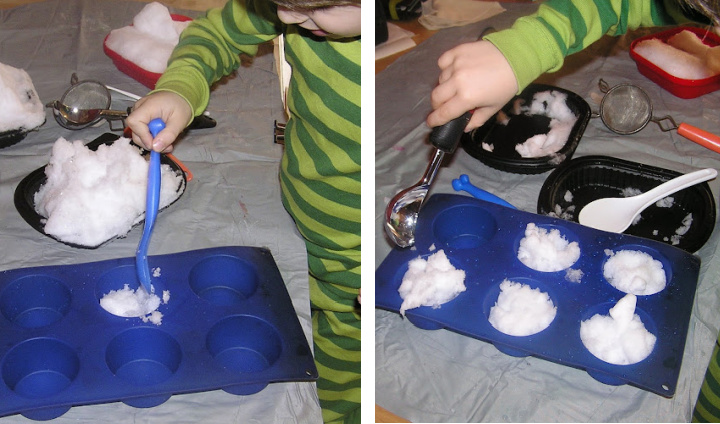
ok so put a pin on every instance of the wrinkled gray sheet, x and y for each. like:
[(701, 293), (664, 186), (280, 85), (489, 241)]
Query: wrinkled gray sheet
[(233, 199), (441, 376)]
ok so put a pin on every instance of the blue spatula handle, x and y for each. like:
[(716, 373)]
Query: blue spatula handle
[(151, 209), (463, 184)]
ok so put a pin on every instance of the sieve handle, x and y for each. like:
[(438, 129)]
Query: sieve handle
[(701, 137)]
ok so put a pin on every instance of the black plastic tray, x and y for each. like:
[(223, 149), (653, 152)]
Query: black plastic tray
[(8, 138), (25, 191), (504, 138), (593, 177)]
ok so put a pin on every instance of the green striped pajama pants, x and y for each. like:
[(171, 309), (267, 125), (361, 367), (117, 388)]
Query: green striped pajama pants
[(707, 407), (326, 208)]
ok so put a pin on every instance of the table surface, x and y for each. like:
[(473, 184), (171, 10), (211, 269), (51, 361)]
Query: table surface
[(233, 198), (441, 376)]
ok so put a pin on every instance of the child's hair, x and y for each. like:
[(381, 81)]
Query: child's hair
[(314, 4), (709, 8)]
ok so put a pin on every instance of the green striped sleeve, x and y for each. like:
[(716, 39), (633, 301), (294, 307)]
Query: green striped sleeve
[(210, 47), (540, 42)]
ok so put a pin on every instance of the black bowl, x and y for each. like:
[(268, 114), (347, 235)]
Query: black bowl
[(590, 178), (26, 189), (521, 127)]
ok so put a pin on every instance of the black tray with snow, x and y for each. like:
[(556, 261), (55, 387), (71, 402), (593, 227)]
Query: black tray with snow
[(614, 305), (225, 321), (685, 219), (88, 196), (533, 133)]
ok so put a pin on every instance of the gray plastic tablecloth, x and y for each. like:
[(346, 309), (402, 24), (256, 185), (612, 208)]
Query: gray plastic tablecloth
[(441, 376), (233, 199)]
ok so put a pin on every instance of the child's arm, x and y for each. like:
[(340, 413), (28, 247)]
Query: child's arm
[(478, 76), (209, 48)]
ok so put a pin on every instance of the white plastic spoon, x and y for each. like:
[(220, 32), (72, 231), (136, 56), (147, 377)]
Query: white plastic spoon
[(615, 214)]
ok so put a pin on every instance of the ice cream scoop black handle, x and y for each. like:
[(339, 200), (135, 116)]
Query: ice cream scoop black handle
[(446, 137)]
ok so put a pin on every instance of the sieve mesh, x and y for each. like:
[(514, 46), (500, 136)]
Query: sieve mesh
[(626, 109), (87, 95)]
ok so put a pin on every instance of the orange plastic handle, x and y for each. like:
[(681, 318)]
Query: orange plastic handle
[(701, 137), (188, 174)]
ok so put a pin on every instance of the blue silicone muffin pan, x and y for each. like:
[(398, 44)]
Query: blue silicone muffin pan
[(229, 324), (482, 238)]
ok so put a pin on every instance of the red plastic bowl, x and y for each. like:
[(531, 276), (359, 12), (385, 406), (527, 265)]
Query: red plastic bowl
[(683, 88), (145, 77)]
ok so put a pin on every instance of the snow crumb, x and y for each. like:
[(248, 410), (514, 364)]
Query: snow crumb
[(574, 275)]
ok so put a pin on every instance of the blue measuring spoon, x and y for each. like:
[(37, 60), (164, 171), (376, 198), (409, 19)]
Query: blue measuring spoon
[(151, 209)]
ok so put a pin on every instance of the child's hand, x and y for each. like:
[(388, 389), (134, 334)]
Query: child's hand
[(174, 110), (473, 76)]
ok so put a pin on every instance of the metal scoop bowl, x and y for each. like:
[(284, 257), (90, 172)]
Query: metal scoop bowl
[(402, 211)]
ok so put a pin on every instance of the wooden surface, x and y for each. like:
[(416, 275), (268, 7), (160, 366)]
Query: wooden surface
[(382, 415), (421, 34)]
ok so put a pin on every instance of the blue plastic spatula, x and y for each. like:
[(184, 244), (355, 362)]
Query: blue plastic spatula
[(151, 209)]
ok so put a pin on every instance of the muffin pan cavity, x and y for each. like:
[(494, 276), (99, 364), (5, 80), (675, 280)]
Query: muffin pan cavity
[(578, 292), (228, 324)]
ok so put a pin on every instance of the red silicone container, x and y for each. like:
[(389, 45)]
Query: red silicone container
[(145, 77), (683, 88)]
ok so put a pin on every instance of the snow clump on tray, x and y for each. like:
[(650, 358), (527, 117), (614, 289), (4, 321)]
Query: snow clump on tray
[(632, 271), (93, 196), (547, 251), (552, 104), (619, 338), (521, 310), (20, 106), (430, 282)]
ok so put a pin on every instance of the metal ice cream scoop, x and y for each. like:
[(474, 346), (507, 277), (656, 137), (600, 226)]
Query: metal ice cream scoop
[(402, 211)]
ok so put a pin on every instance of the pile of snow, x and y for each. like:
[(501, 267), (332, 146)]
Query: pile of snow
[(150, 40), (20, 106)]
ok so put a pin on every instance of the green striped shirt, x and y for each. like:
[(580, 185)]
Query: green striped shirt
[(320, 173)]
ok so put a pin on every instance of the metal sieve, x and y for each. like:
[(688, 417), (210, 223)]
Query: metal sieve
[(626, 109), (82, 96)]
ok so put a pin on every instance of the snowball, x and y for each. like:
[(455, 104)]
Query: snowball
[(151, 39), (521, 310), (546, 251), (430, 282), (93, 196), (619, 338), (635, 272), (20, 106), (130, 303)]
